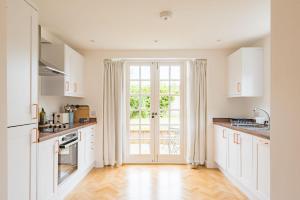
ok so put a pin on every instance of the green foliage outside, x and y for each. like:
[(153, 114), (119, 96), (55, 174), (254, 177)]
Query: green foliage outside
[(165, 101)]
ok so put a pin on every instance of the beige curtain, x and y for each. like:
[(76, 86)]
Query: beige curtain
[(197, 113), (113, 112)]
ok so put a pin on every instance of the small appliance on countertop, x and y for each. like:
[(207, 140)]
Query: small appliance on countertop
[(62, 118)]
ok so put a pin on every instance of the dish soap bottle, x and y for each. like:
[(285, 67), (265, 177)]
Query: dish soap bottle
[(42, 117)]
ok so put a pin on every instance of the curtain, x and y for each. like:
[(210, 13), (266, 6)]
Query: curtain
[(197, 113), (113, 112)]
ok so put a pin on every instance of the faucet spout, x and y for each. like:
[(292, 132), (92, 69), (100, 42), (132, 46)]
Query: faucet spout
[(266, 113)]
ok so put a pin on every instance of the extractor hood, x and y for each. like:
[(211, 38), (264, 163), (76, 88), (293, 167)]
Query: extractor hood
[(46, 69), (51, 55)]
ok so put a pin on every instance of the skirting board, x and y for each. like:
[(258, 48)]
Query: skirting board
[(210, 164), (242, 188)]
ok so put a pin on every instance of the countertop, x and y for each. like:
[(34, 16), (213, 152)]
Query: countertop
[(46, 135), (225, 122)]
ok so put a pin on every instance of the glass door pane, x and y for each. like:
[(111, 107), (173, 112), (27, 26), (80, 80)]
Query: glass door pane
[(140, 97), (169, 139)]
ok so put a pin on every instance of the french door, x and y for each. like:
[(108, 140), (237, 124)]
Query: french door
[(155, 113)]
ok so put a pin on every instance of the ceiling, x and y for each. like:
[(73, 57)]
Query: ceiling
[(135, 24)]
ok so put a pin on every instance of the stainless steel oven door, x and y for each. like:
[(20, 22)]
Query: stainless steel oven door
[(67, 159)]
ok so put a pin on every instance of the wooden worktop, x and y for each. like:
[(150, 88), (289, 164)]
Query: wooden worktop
[(46, 135), (225, 122)]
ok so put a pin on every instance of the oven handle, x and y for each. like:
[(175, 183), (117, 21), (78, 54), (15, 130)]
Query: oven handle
[(63, 146)]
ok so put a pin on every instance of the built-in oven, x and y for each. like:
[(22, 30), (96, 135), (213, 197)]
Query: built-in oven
[(68, 155)]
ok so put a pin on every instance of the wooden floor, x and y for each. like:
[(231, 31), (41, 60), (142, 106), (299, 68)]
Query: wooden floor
[(161, 182)]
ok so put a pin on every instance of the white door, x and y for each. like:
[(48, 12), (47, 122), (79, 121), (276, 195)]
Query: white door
[(155, 112)]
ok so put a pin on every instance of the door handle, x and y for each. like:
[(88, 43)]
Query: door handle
[(34, 111)]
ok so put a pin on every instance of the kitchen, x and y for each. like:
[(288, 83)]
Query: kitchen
[(112, 112)]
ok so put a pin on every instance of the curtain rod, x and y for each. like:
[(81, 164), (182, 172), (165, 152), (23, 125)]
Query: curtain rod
[(153, 59)]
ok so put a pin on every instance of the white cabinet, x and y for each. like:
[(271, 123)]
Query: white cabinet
[(81, 151), (234, 153), (22, 63), (248, 161), (221, 146), (245, 72), (72, 84), (47, 170), (87, 147), (90, 146), (21, 165), (246, 146), (262, 167)]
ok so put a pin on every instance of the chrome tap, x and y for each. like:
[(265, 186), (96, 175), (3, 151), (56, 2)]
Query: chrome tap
[(267, 114)]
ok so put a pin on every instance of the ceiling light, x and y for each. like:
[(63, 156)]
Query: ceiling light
[(92, 41), (155, 41), (165, 15), (219, 40)]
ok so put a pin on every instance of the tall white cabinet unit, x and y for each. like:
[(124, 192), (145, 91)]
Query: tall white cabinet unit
[(22, 99), (246, 72)]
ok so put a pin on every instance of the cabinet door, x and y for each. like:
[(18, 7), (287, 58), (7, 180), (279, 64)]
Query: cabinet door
[(21, 164), (223, 150), (233, 162), (20, 40), (47, 176), (246, 145), (82, 163), (235, 74), (217, 130), (262, 167), (221, 146), (89, 145)]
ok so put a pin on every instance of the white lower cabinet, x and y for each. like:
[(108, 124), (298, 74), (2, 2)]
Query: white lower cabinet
[(47, 166), (248, 161), (246, 147), (47, 169), (234, 154), (221, 135), (262, 167), (87, 146)]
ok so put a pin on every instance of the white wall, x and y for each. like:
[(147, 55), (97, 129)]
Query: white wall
[(3, 143), (285, 100), (218, 103)]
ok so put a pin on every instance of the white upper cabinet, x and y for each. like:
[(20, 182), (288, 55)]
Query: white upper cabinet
[(245, 73), (22, 63), (72, 84)]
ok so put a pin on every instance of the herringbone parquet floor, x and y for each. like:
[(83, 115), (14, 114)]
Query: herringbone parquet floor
[(155, 182)]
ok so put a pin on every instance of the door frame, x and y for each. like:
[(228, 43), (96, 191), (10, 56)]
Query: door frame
[(153, 157)]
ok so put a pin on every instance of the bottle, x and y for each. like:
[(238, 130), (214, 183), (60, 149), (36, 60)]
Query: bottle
[(42, 117)]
